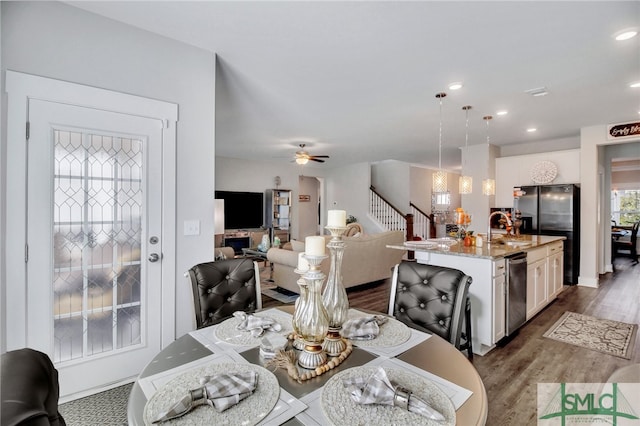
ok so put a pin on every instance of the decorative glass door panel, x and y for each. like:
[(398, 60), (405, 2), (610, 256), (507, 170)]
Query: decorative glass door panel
[(98, 200)]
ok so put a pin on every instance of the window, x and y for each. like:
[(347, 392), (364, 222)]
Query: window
[(625, 206)]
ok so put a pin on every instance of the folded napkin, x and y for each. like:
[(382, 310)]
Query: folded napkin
[(364, 328), (256, 325), (377, 389), (220, 391)]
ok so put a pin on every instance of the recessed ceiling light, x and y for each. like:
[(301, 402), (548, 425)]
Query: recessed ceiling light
[(635, 84), (503, 112), (538, 91), (531, 129), (625, 34), (455, 86)]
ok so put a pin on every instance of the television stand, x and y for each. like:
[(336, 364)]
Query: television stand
[(237, 240)]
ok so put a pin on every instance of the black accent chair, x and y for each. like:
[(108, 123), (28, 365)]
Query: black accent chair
[(628, 247), (29, 389), (433, 299), (223, 287)]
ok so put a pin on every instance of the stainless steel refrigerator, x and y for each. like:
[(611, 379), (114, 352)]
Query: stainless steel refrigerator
[(555, 210)]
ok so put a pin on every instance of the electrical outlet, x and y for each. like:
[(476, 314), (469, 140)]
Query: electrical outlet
[(191, 227)]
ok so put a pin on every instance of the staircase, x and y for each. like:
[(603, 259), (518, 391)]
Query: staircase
[(414, 224)]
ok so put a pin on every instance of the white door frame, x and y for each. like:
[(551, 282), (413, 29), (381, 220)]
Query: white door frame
[(20, 88)]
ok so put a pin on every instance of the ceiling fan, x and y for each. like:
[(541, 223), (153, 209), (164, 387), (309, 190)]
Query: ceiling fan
[(303, 157)]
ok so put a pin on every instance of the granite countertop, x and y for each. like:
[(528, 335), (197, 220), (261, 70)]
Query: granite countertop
[(495, 250)]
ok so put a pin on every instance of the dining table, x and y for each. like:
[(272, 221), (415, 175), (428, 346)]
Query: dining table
[(427, 358)]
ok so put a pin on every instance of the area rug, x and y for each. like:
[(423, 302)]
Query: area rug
[(108, 408), (602, 335)]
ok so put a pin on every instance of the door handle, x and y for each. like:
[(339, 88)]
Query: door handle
[(154, 257)]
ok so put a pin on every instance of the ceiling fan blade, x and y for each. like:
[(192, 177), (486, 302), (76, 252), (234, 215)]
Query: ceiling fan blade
[(320, 156), (316, 159)]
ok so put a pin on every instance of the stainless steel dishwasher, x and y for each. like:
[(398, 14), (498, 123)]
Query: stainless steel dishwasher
[(516, 292)]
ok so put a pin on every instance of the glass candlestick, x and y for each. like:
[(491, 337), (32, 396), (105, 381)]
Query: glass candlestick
[(335, 298), (301, 301), (313, 322)]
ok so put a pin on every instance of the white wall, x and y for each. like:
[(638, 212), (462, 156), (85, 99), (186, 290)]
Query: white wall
[(537, 147), (515, 171), (55, 40), (391, 178), (479, 162), (347, 188)]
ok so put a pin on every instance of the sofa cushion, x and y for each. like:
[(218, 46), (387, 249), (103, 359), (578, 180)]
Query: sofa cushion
[(297, 245)]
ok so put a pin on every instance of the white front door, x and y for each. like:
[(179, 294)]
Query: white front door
[(94, 236)]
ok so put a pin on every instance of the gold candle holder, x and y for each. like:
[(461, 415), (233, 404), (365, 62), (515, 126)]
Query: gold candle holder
[(312, 321), (335, 298)]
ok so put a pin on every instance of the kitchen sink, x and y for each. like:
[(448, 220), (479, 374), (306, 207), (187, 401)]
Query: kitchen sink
[(510, 243)]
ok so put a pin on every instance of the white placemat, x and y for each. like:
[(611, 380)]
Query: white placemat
[(340, 409), (225, 336), (392, 332), (416, 338), (249, 411), (314, 415), (287, 406), (227, 331)]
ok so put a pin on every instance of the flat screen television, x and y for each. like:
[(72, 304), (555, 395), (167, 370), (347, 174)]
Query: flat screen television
[(242, 210)]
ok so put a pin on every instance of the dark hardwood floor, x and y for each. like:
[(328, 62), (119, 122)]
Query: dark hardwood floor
[(511, 373)]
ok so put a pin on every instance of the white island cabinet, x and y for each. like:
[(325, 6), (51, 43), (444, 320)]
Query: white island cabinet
[(486, 266)]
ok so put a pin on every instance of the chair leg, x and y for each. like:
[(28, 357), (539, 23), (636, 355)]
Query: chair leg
[(467, 317), (468, 345)]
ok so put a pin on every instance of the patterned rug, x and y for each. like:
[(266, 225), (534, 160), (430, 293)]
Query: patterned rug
[(602, 335), (108, 408)]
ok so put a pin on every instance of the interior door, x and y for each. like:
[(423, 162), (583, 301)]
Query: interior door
[(94, 242)]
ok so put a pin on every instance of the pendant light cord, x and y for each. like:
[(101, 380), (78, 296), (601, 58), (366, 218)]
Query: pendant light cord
[(487, 118), (466, 109), (440, 96)]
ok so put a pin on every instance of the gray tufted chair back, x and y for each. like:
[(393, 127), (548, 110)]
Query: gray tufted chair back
[(432, 298), (223, 287)]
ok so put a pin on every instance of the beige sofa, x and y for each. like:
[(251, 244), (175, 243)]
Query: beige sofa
[(366, 259)]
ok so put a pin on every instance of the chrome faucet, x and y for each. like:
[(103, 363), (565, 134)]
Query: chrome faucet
[(492, 215)]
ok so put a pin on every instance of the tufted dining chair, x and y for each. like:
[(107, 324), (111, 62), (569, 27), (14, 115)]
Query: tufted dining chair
[(630, 245), (29, 389), (433, 299), (223, 287)]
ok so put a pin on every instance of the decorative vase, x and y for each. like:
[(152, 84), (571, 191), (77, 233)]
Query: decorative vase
[(265, 245), (335, 298), (312, 321), (299, 307)]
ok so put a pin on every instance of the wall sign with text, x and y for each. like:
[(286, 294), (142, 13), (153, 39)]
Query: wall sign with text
[(624, 130)]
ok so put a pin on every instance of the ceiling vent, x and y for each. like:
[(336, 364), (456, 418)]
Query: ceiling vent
[(540, 91)]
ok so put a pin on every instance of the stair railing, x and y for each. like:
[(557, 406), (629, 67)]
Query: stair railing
[(423, 225)]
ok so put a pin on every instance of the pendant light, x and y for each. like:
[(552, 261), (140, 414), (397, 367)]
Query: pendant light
[(465, 183), (440, 177), (488, 185)]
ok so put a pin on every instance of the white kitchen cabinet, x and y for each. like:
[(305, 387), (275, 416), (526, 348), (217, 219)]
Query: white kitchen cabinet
[(536, 281), (499, 312), (555, 273)]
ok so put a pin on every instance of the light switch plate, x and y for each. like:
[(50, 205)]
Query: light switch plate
[(191, 227)]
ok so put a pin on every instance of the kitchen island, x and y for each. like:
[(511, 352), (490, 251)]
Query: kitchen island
[(486, 265)]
